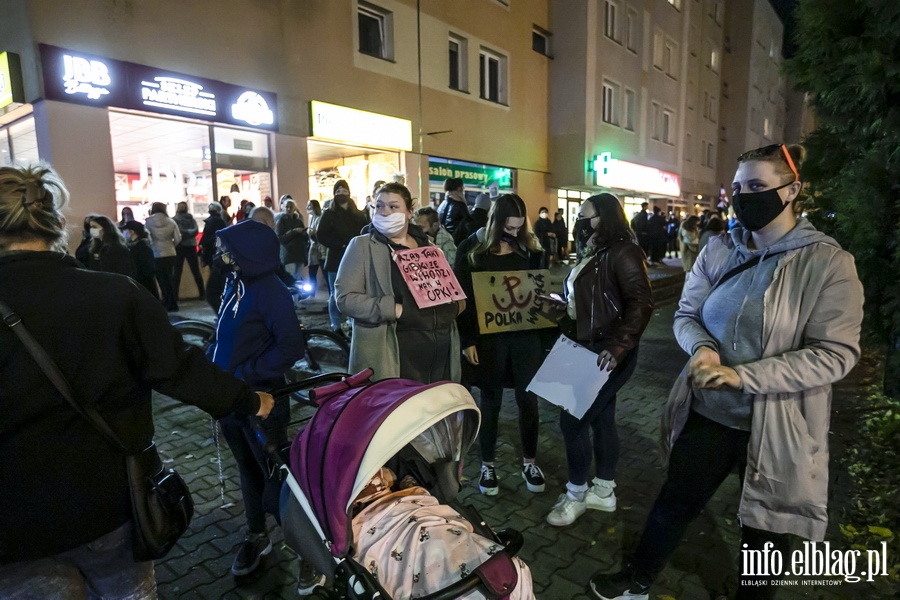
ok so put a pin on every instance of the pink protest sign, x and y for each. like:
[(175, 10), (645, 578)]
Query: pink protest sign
[(429, 276)]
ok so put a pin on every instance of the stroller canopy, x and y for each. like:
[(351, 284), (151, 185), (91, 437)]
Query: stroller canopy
[(358, 428)]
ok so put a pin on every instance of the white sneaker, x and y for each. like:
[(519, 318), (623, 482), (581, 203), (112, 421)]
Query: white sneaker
[(566, 511), (600, 495)]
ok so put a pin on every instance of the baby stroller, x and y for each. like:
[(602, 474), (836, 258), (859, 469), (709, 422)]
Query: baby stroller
[(419, 432)]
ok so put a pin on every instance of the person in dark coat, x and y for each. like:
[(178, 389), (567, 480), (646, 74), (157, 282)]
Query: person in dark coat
[(639, 227), (67, 521), (562, 235), (82, 252), (141, 256), (340, 223), (453, 211), (107, 251), (215, 282), (506, 359), (543, 229), (672, 227), (657, 233), (186, 250), (293, 237), (258, 339)]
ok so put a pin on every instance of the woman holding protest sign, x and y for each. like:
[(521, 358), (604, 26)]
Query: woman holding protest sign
[(608, 296), (507, 358), (391, 334)]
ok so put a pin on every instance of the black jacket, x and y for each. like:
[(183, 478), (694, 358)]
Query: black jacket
[(542, 229), (144, 265), (454, 217), (613, 299), (336, 228), (211, 225), (62, 484), (112, 258)]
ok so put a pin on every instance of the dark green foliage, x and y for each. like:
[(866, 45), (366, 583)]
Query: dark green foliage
[(848, 60)]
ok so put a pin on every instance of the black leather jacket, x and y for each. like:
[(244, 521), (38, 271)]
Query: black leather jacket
[(613, 300)]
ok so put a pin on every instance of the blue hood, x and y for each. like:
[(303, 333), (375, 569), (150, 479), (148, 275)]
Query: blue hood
[(253, 246)]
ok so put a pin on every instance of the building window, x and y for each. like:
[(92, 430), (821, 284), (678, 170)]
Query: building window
[(540, 41), (670, 59), (659, 42), (492, 68), (713, 109), (688, 142), (459, 60), (655, 121), (718, 12), (631, 30), (713, 62), (375, 31), (610, 103), (668, 126), (706, 105), (767, 128), (630, 109), (611, 28), (709, 154), (675, 3)]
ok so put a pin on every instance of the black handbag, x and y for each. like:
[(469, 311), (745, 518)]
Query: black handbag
[(161, 502)]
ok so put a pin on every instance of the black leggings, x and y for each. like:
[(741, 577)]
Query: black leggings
[(600, 419), (519, 354)]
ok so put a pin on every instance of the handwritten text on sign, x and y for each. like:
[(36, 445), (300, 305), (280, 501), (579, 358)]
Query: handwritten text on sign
[(509, 301), (429, 276)]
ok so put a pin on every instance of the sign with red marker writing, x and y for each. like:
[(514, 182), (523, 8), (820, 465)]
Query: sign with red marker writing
[(510, 301), (429, 276)]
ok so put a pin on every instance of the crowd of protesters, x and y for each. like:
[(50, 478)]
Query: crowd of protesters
[(770, 317)]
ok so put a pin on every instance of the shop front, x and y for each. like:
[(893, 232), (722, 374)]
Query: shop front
[(635, 184), (18, 141), (477, 178), (357, 146), (173, 137)]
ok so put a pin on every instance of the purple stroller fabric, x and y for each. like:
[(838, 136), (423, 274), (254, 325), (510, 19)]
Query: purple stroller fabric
[(326, 456)]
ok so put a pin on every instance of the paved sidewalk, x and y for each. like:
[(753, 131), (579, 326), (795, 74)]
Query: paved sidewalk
[(561, 559)]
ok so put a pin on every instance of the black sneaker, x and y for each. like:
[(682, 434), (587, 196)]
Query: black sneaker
[(534, 477), (488, 482), (619, 586), (254, 547), (309, 580)]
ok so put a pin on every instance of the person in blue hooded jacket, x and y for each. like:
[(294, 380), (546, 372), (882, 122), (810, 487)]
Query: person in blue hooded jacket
[(258, 338)]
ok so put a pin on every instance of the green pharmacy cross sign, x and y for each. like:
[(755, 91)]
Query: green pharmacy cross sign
[(600, 164)]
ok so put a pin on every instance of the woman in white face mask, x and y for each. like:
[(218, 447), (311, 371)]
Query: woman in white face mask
[(391, 334)]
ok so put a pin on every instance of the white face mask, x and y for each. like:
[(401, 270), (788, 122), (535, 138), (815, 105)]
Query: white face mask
[(96, 233), (389, 225)]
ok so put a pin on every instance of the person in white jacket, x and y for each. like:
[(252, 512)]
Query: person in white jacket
[(164, 237), (771, 317)]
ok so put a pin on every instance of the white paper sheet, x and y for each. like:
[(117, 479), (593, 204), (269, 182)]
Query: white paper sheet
[(569, 377)]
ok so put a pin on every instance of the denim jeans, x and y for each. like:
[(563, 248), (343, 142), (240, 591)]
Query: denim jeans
[(703, 456), (103, 568), (333, 313)]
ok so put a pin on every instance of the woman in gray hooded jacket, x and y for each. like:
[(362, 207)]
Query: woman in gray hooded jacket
[(771, 318)]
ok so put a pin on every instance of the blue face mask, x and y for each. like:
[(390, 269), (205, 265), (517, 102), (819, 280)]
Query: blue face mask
[(756, 210)]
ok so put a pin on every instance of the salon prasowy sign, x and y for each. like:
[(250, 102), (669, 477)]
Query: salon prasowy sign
[(510, 301), (71, 76), (429, 276)]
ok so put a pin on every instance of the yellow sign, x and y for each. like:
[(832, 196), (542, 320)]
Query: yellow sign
[(510, 301), (352, 126), (10, 79)]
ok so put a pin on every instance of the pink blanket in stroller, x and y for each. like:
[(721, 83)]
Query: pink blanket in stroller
[(416, 546)]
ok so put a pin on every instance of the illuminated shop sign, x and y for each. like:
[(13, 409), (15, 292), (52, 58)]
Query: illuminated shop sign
[(624, 175), (352, 126), (10, 79), (96, 81), (472, 174)]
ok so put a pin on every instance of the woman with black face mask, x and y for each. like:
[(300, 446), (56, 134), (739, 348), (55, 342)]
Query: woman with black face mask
[(771, 318), (609, 299), (505, 359)]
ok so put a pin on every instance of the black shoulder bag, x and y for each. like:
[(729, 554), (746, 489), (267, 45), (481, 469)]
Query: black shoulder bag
[(161, 503)]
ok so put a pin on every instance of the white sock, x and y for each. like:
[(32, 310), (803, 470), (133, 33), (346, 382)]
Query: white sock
[(576, 492)]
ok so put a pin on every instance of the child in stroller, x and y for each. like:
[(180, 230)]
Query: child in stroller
[(370, 500)]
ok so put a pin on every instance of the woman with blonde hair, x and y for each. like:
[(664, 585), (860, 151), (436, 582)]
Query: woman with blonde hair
[(66, 530)]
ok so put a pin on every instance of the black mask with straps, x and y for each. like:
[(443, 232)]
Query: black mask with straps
[(756, 210)]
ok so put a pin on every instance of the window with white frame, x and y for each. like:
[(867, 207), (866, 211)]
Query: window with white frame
[(492, 67), (718, 11), (711, 155), (668, 127), (655, 120), (630, 109), (767, 128), (675, 3), (458, 55), (713, 109), (631, 30), (610, 103), (540, 41), (688, 147), (670, 58), (659, 42), (376, 31), (713, 61), (706, 105), (611, 27)]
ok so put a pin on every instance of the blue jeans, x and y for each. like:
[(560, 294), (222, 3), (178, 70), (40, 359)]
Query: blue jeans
[(333, 313), (103, 568)]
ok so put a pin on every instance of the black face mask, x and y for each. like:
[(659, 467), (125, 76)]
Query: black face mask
[(757, 210), (509, 239), (583, 230)]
